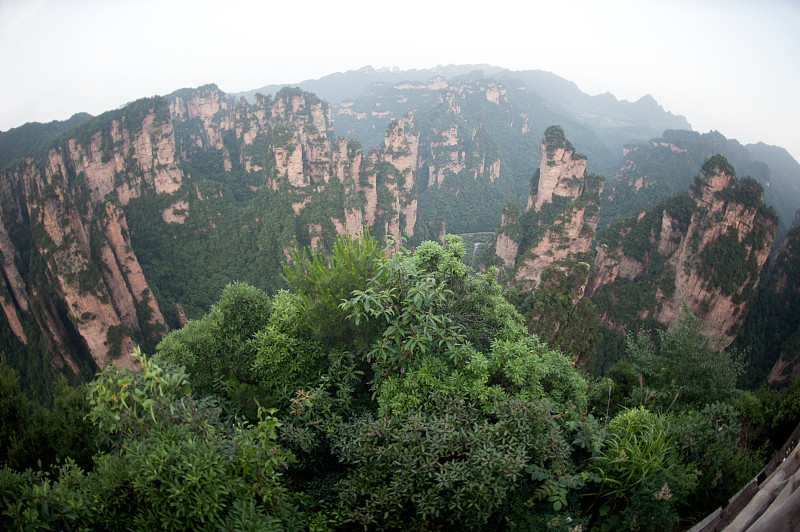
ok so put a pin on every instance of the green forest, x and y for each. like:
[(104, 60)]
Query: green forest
[(387, 389)]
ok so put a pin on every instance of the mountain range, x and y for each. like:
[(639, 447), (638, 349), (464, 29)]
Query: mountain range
[(117, 228)]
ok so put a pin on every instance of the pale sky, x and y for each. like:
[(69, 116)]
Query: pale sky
[(728, 65)]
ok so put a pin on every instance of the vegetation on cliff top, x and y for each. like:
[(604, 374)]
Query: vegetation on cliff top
[(554, 138)]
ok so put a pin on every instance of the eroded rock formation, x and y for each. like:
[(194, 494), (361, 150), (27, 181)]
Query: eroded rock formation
[(561, 216), (705, 248), (90, 298)]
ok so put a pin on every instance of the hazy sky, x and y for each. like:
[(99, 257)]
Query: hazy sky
[(729, 65)]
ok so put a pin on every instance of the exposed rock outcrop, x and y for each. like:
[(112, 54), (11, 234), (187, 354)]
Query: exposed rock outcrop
[(705, 248), (454, 149), (561, 172), (783, 290), (393, 167), (560, 219), (547, 252), (68, 204), (169, 156)]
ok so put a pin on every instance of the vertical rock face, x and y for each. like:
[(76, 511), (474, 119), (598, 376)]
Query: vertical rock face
[(547, 252), (346, 169), (705, 248), (300, 126), (394, 166), (508, 238), (13, 289), (560, 221), (67, 204), (784, 287), (85, 289), (561, 172), (787, 369), (377, 191), (454, 149)]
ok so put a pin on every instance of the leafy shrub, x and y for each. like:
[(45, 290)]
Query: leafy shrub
[(685, 367), (710, 439), (531, 368), (423, 471), (639, 475), (284, 355), (218, 346), (324, 284)]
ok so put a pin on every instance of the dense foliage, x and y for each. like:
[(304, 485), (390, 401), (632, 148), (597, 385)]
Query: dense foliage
[(556, 311), (773, 319), (385, 390)]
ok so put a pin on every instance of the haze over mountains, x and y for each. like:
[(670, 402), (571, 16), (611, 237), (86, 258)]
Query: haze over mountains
[(548, 95), (365, 100)]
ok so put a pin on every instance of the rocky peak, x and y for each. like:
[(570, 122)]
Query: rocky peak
[(300, 129), (560, 218), (561, 171), (394, 166), (303, 109), (401, 145), (203, 103), (716, 175), (706, 248)]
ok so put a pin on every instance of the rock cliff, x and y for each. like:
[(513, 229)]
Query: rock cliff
[(546, 254), (473, 145), (192, 169), (561, 216), (392, 167), (783, 297), (64, 210), (705, 248), (653, 171)]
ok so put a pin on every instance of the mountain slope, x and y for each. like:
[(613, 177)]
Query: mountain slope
[(705, 249), (206, 190), (543, 96), (651, 172)]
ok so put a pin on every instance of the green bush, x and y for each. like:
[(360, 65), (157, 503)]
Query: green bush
[(423, 471), (218, 346), (684, 368)]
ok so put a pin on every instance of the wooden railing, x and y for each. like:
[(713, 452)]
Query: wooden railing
[(770, 502)]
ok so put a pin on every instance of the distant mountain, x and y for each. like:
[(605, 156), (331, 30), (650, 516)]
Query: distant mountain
[(615, 121), (650, 172), (628, 142), (340, 86), (598, 125)]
